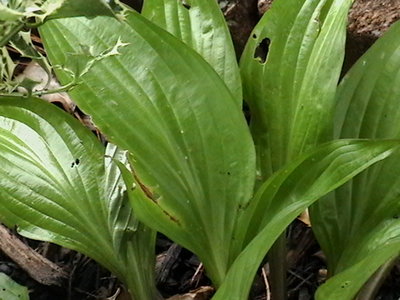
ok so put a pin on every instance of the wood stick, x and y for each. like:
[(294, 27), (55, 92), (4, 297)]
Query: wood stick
[(38, 267)]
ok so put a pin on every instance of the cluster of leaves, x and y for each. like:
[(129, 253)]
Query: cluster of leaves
[(167, 90)]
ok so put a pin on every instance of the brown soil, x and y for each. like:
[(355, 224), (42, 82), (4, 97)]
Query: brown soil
[(368, 20), (373, 17)]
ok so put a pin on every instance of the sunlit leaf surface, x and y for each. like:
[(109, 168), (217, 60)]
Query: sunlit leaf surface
[(201, 25), (361, 219), (58, 184), (158, 99)]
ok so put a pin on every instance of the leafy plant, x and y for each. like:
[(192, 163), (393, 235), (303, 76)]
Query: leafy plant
[(202, 169), (173, 102), (200, 25), (290, 87), (18, 17), (357, 226), (59, 184)]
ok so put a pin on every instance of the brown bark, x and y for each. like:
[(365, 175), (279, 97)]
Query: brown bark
[(37, 266)]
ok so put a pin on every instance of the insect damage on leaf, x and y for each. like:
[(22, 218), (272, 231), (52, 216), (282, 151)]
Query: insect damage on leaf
[(345, 284), (262, 49), (147, 190), (172, 218), (186, 4), (243, 206), (76, 162), (152, 196)]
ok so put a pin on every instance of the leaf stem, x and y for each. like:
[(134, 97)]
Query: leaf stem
[(9, 36), (278, 266)]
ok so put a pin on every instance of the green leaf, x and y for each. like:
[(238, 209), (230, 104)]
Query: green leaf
[(190, 144), (346, 284), (18, 10), (59, 185), (7, 67), (10, 290), (290, 70), (200, 25), (8, 30), (360, 219), (74, 8), (17, 13), (8, 14), (288, 192)]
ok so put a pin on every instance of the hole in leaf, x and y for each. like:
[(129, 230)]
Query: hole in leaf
[(77, 161), (345, 284), (261, 51), (254, 36), (185, 4), (243, 206)]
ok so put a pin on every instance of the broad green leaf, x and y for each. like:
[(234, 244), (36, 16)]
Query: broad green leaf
[(155, 97), (10, 290), (290, 70), (73, 8), (360, 219), (201, 25), (288, 192), (345, 285), (58, 184), (368, 108)]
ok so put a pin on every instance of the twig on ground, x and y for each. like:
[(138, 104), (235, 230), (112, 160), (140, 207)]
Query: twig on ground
[(38, 267)]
